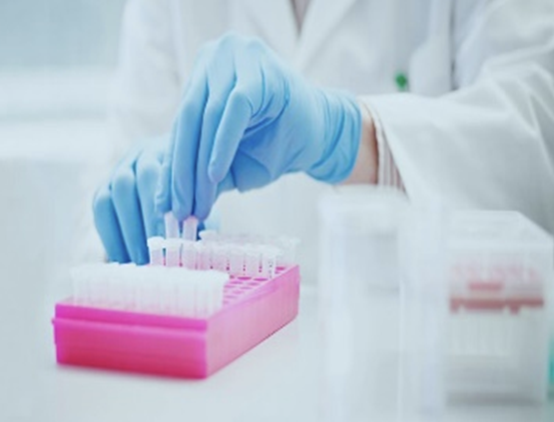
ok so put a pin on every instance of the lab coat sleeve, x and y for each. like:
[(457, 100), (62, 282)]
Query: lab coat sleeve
[(387, 174), (147, 89), (490, 143)]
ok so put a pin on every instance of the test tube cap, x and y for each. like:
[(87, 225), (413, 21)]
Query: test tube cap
[(171, 225), (155, 242), (173, 244), (190, 227), (208, 235)]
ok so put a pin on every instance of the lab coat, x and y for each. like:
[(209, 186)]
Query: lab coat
[(476, 128)]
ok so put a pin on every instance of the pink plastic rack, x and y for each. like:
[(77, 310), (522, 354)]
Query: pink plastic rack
[(253, 309)]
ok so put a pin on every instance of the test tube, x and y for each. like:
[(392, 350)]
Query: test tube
[(209, 235), (220, 279), (236, 260), (219, 257), (190, 227), (269, 261), (185, 285), (171, 226), (155, 249), (251, 260), (81, 277), (100, 282), (188, 255), (203, 256), (172, 252), (149, 295), (215, 281), (167, 287), (121, 282)]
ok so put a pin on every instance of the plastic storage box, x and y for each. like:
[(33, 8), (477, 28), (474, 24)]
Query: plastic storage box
[(500, 268)]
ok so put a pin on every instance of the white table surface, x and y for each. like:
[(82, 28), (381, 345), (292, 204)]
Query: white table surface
[(278, 380)]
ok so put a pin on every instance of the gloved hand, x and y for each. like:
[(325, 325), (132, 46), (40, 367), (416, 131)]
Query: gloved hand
[(124, 212), (124, 208), (245, 120)]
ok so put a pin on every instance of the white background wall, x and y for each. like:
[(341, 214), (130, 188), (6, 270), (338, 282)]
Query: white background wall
[(56, 60)]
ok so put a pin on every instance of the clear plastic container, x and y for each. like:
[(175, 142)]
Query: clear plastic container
[(424, 314), (358, 302), (359, 236), (500, 268)]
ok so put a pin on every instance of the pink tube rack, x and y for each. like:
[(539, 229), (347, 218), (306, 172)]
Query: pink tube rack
[(253, 309)]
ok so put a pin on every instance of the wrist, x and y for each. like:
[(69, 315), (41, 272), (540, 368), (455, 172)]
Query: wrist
[(339, 137), (365, 169)]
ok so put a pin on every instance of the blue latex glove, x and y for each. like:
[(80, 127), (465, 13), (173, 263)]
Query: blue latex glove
[(123, 209), (245, 120)]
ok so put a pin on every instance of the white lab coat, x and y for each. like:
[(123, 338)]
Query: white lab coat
[(477, 127)]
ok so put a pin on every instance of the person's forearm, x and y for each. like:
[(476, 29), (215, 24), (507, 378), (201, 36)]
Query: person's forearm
[(366, 167)]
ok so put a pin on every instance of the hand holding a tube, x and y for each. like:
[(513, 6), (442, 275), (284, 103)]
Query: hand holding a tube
[(245, 120), (123, 208)]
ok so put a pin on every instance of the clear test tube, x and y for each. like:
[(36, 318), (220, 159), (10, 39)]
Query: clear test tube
[(220, 257), (156, 250), (101, 283), (167, 287), (80, 277), (186, 285), (268, 261), (236, 260), (146, 288), (215, 281), (171, 226), (190, 228), (209, 236), (149, 294), (203, 256), (221, 279), (252, 257), (141, 294), (115, 279), (172, 252), (188, 255)]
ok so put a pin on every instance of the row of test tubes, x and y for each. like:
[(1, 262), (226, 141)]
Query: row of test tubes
[(150, 289), (251, 256)]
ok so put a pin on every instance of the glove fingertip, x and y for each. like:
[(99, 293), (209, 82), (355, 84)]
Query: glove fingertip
[(181, 211), (142, 256), (215, 173)]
